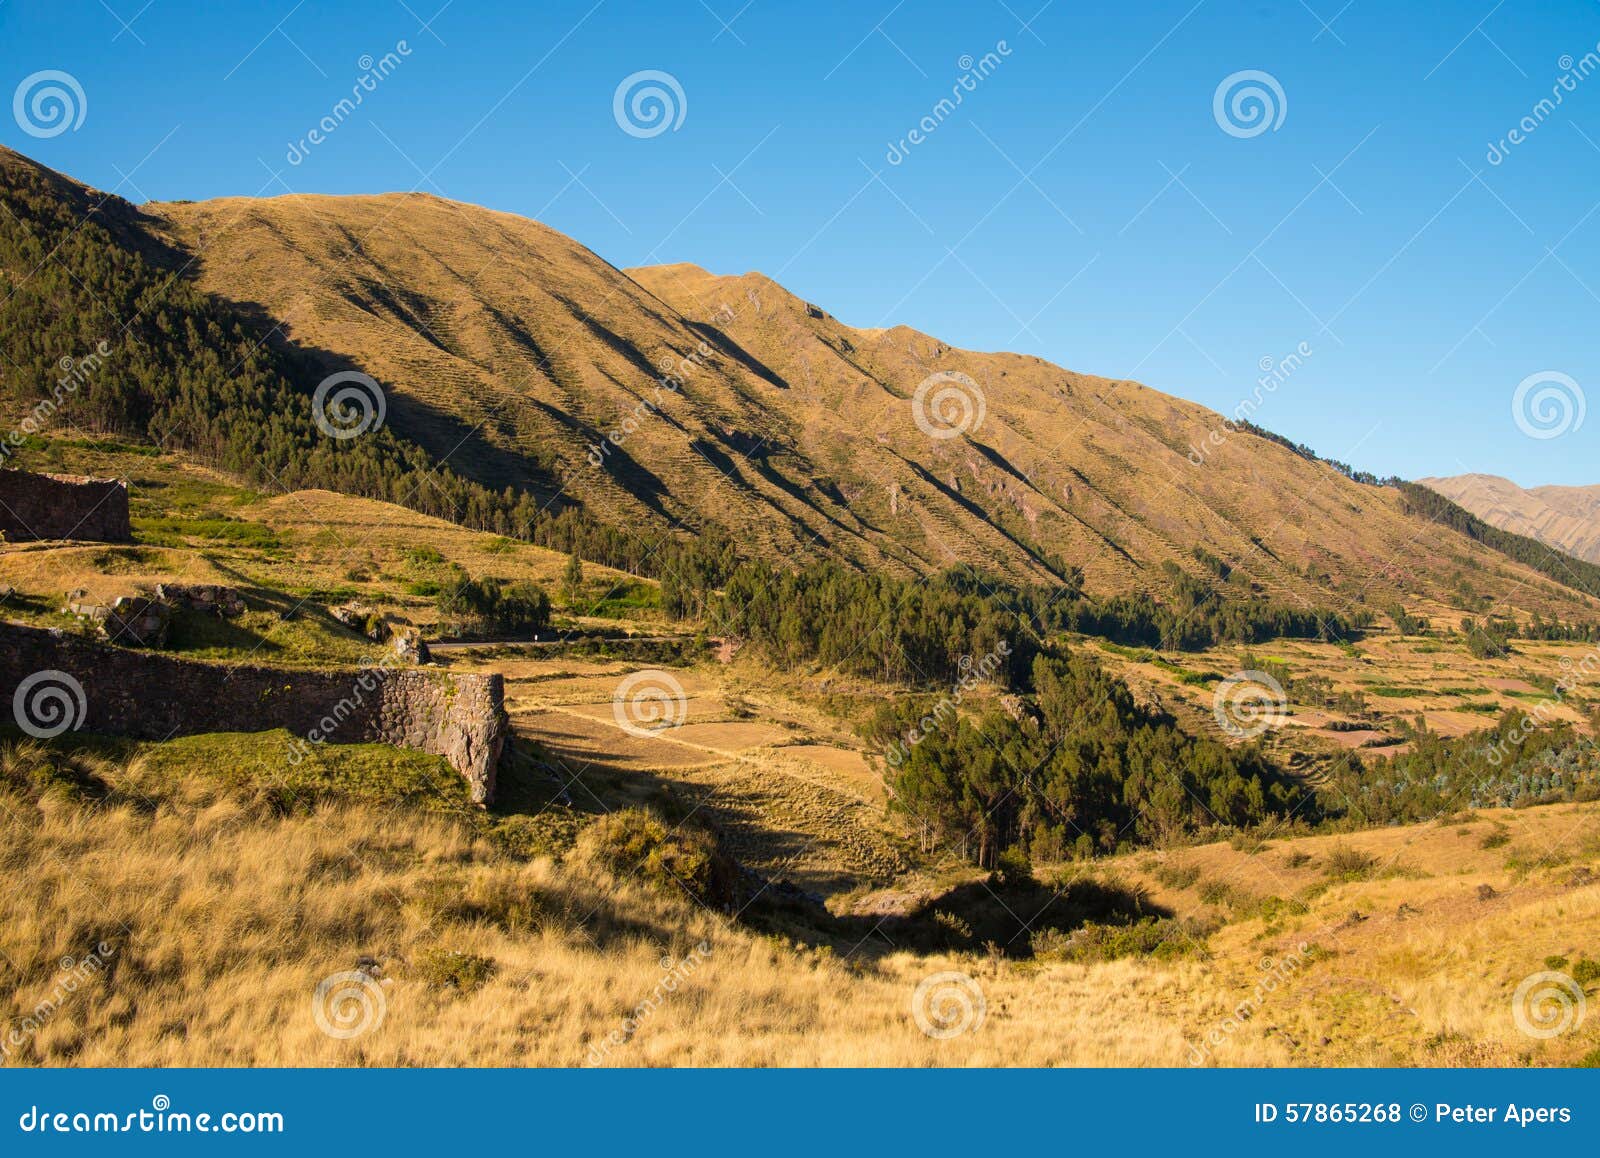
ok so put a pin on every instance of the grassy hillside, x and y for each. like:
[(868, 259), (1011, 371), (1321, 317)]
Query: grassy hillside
[(731, 401), (211, 911)]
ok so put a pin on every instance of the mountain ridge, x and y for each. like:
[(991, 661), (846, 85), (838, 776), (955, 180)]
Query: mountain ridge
[(668, 400), (1563, 517)]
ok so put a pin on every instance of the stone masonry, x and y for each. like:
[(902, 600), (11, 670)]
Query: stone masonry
[(58, 506), (152, 697)]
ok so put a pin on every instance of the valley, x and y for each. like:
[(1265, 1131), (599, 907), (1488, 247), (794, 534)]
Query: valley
[(902, 704)]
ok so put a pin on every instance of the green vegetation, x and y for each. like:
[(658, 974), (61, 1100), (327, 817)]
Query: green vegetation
[(182, 368), (1085, 771), (1564, 569), (469, 606)]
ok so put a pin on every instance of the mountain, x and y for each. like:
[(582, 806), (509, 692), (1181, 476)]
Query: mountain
[(657, 402), (1567, 518)]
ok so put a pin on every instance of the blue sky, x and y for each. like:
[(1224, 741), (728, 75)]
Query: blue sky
[(1083, 202)]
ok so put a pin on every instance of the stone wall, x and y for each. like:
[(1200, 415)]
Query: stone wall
[(58, 506), (154, 697)]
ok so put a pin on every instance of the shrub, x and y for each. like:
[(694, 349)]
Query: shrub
[(1175, 875), (958, 930), (1349, 864), (1160, 937), (1297, 859), (451, 969), (635, 842), (1586, 972)]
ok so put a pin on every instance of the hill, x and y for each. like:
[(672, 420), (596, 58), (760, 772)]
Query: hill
[(521, 358), (1567, 518)]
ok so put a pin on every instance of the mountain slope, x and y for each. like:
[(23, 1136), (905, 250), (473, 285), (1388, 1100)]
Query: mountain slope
[(794, 431), (664, 401), (1567, 518)]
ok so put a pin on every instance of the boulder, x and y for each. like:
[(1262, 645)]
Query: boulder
[(360, 617), (135, 621), (208, 598), (409, 645)]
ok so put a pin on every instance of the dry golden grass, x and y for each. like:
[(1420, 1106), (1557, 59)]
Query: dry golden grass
[(221, 915)]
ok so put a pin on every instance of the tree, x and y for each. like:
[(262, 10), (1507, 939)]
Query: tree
[(572, 580)]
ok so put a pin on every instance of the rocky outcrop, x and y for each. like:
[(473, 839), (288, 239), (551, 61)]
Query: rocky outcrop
[(206, 598), (134, 621), (112, 691), (57, 506)]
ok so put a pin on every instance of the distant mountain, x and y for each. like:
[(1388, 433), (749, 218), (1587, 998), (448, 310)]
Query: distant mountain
[(1567, 518), (658, 402)]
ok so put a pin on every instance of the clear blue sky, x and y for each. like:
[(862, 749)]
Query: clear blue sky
[(1082, 203)]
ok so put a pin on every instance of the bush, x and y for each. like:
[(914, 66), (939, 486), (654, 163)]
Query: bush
[(451, 969), (1158, 937), (1176, 876), (1349, 864), (635, 842), (1586, 972)]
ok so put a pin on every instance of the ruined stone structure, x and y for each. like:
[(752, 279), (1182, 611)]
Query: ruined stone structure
[(58, 506), (153, 697)]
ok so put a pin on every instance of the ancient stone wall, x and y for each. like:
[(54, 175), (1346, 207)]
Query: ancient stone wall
[(51, 506), (51, 681)]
